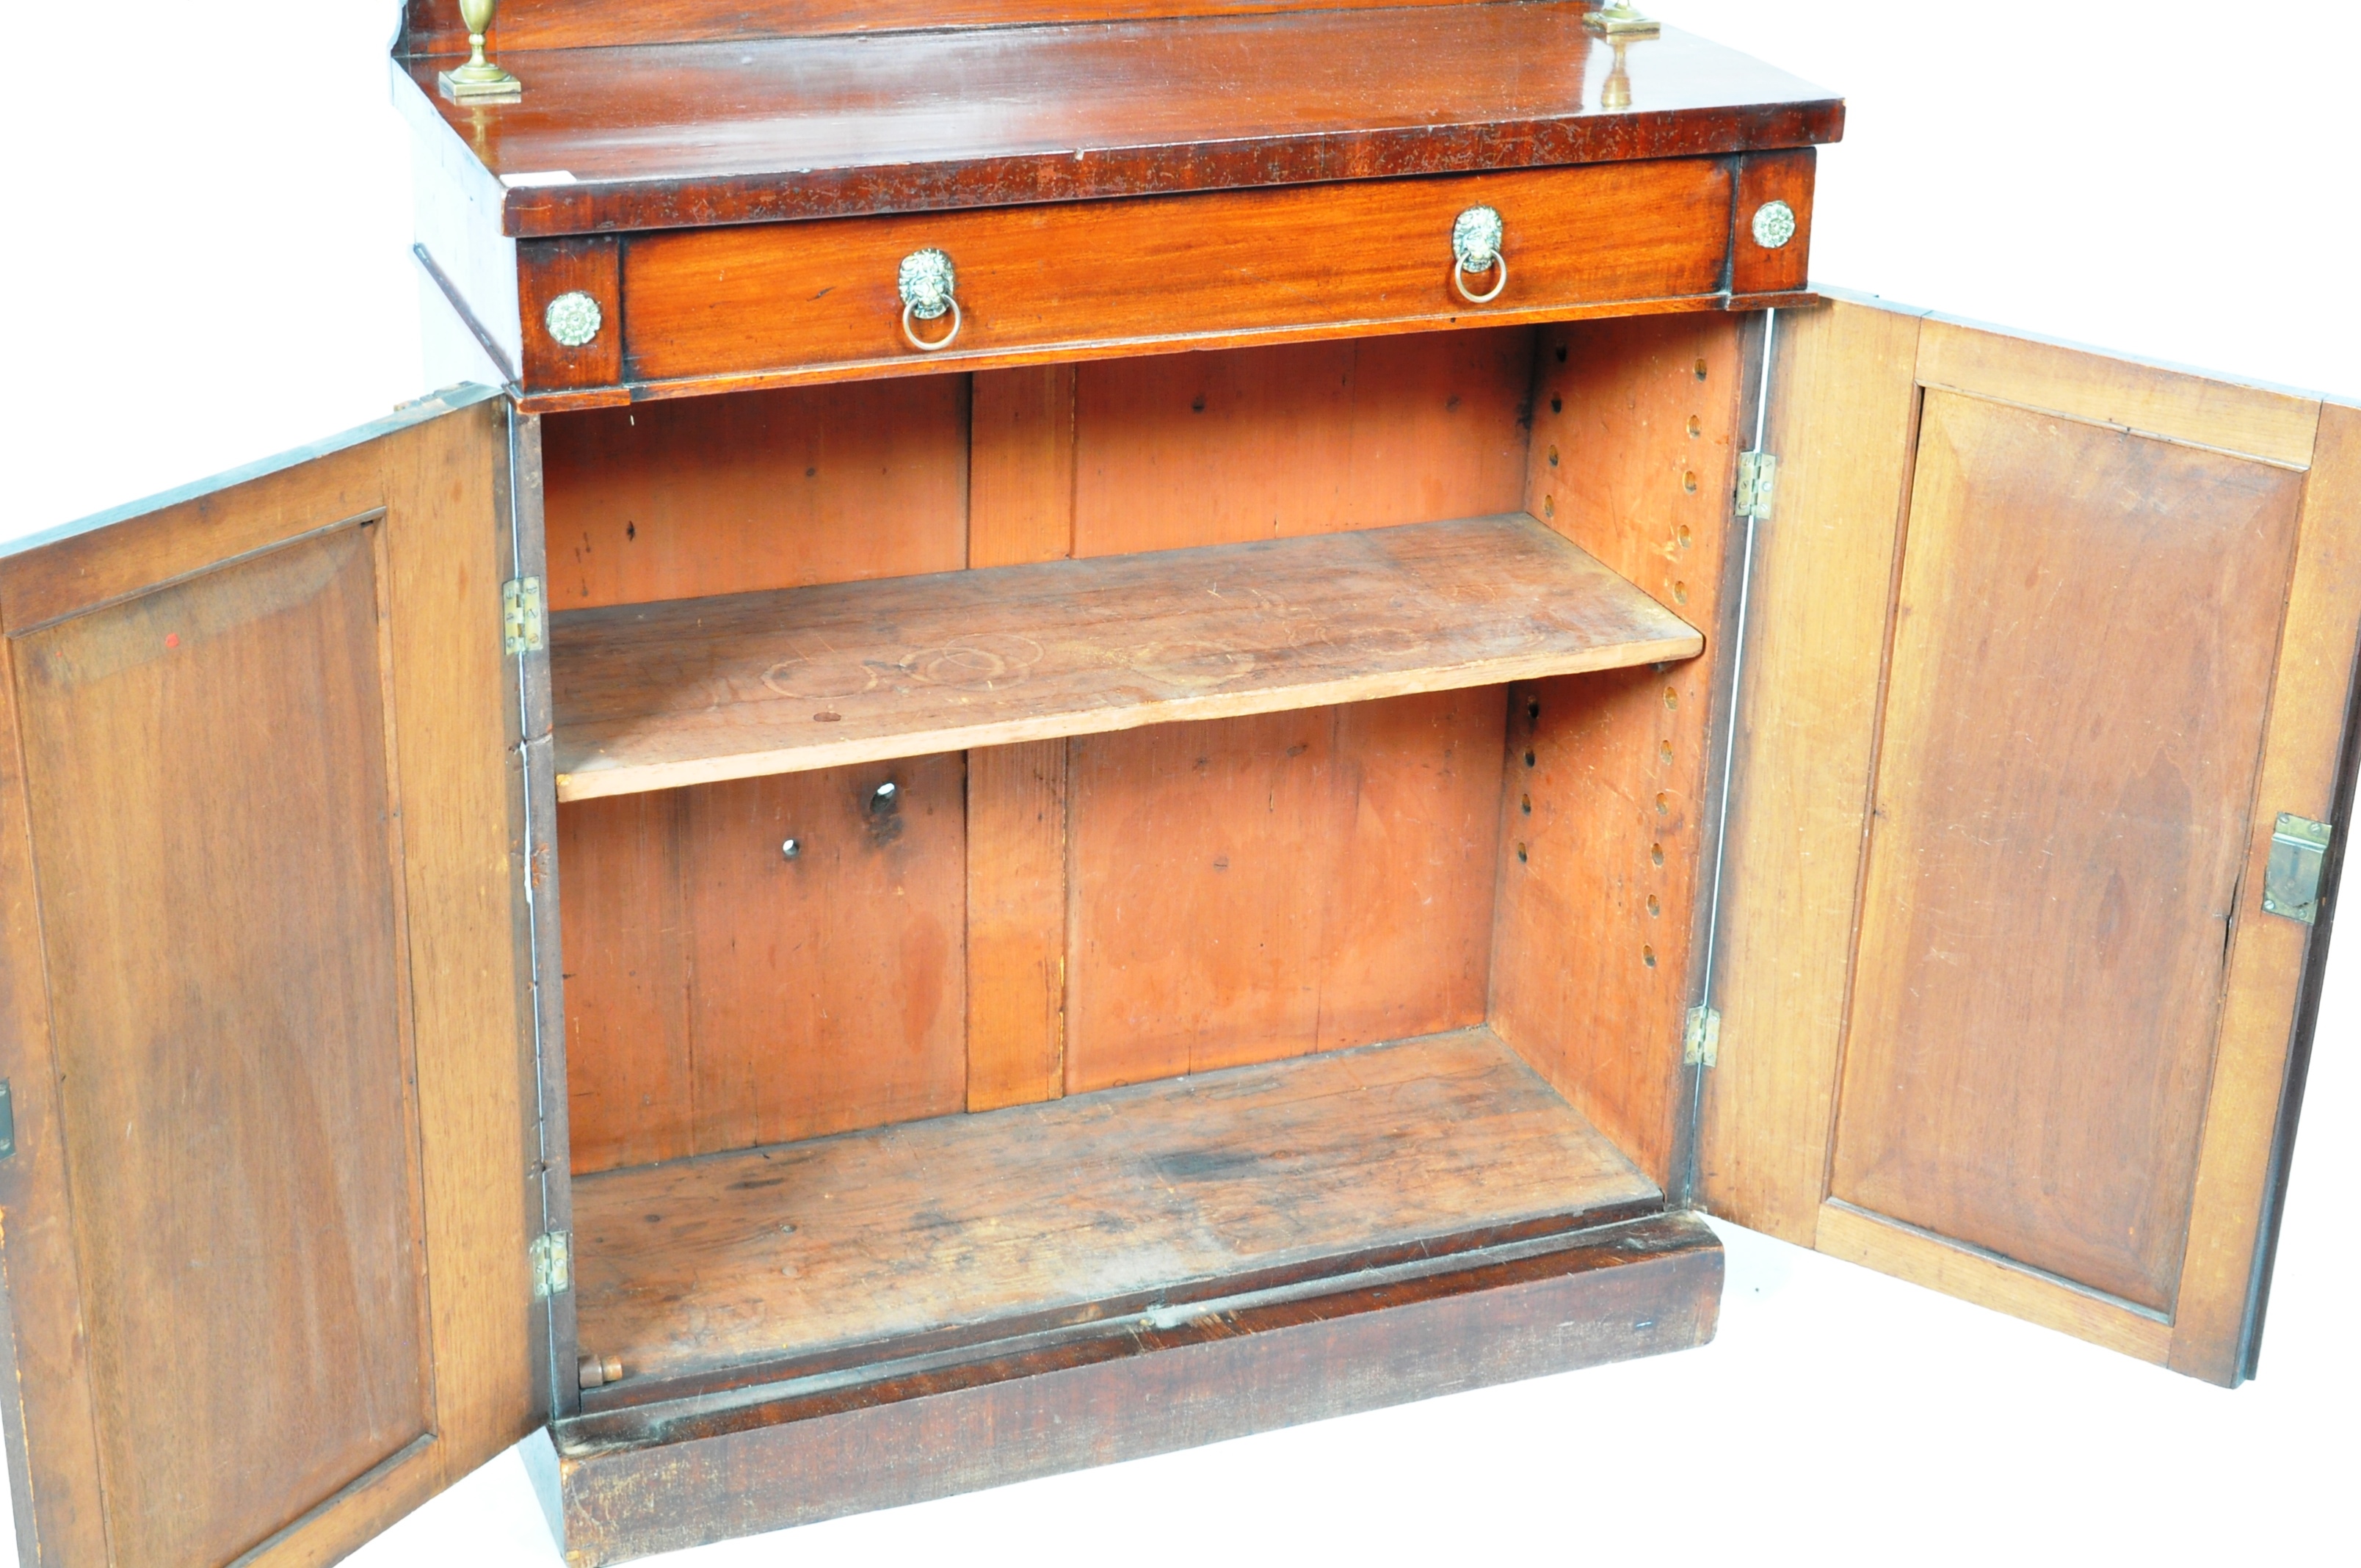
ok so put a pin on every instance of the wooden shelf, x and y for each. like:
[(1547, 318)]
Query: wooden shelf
[(692, 691), (768, 1263)]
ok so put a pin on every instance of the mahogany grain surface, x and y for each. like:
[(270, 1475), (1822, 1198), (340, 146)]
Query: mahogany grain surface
[(756, 304), (654, 696), (1179, 1188), (760, 129)]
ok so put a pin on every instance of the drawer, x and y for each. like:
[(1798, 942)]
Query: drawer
[(696, 310)]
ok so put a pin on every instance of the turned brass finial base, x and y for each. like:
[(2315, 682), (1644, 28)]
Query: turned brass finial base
[(478, 81), (1619, 21)]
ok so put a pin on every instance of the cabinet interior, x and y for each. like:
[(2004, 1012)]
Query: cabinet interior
[(1047, 844)]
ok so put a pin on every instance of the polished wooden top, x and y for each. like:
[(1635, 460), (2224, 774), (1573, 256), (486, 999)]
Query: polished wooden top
[(682, 134)]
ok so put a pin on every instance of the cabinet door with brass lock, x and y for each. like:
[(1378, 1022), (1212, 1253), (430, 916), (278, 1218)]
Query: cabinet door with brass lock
[(2042, 780), (265, 1004)]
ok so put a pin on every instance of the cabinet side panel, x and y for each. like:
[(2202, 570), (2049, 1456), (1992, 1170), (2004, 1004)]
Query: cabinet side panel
[(1842, 404), (1604, 828), (1185, 449), (1250, 888), (2083, 656), (754, 490)]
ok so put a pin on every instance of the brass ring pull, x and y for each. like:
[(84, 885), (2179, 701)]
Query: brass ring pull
[(1476, 237), (925, 282)]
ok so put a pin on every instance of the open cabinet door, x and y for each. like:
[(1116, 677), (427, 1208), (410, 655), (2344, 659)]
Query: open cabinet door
[(265, 1006), (2044, 726)]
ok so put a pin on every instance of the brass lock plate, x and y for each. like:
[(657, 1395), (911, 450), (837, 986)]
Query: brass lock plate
[(2292, 877)]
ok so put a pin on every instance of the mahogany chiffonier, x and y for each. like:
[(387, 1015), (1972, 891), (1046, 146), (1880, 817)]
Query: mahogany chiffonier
[(1110, 724)]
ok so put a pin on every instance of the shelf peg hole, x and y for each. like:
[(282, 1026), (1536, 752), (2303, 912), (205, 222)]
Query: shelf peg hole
[(1664, 803), (1520, 854), (1700, 370), (1680, 593), (1688, 480), (1654, 908), (1553, 455), (1672, 696), (1665, 751), (1529, 759), (1682, 535), (1697, 427), (1656, 853), (1647, 955), (1525, 803)]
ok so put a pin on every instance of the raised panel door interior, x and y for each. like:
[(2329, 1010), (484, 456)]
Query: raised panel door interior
[(266, 1025), (2050, 640)]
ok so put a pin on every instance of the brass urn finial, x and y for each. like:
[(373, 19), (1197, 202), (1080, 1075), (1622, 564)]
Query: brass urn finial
[(1620, 18), (478, 81)]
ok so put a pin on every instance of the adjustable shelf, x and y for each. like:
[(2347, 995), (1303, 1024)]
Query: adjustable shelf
[(693, 691), (899, 1240)]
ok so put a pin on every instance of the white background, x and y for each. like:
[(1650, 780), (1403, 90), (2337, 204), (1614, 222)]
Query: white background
[(206, 261)]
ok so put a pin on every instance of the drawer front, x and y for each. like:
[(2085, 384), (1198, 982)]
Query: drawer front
[(1082, 280)]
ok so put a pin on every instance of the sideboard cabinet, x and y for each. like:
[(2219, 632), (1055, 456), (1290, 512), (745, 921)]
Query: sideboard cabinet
[(1104, 731)]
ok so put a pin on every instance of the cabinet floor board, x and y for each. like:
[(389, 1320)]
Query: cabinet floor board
[(753, 1265), (693, 691)]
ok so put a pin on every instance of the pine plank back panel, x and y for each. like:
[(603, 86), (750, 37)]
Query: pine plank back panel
[(2074, 719), (771, 489), (1219, 448), (721, 994), (274, 1115), (1251, 889)]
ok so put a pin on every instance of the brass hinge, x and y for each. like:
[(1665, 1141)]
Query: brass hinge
[(1701, 1044), (553, 1263), (2291, 877), (521, 614), (1758, 476)]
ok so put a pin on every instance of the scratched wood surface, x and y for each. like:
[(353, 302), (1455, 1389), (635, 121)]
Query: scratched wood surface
[(777, 1253), (654, 697), (721, 994), (1254, 888)]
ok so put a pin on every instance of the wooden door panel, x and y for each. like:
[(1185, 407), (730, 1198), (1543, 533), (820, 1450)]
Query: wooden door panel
[(266, 1257), (2074, 710), (2050, 640), (221, 914)]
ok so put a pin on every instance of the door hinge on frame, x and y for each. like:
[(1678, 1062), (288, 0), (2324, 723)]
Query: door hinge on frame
[(521, 620), (553, 1263), (1701, 1042), (1758, 478), (2291, 877)]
